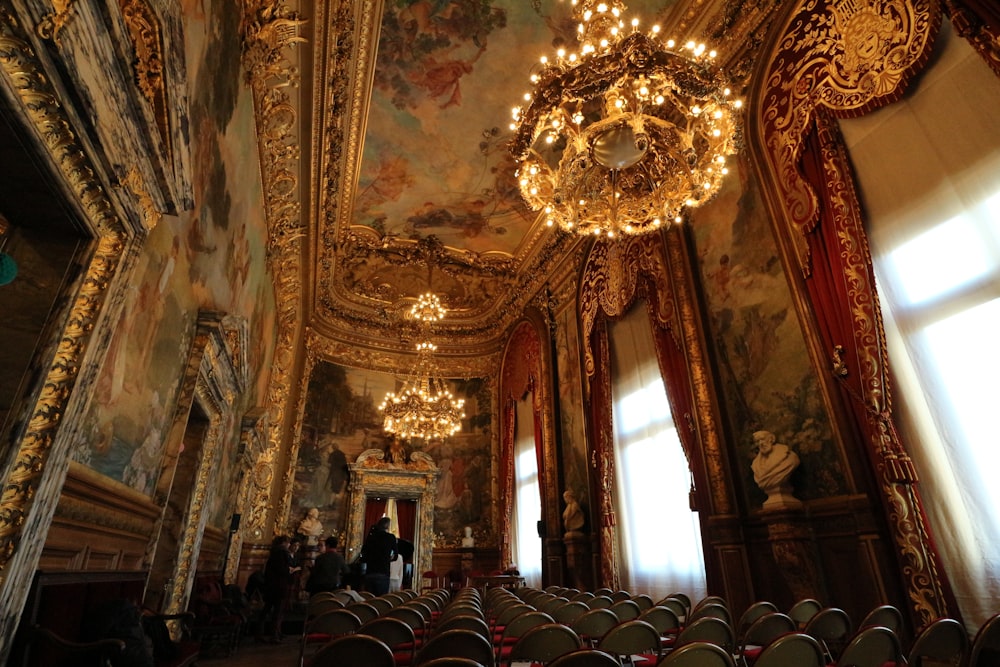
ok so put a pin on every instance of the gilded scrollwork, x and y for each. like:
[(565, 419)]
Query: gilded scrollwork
[(270, 30), (850, 57), (53, 23), (144, 31), (23, 75)]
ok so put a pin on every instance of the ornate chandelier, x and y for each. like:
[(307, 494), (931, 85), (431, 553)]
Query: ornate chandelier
[(623, 135), (423, 407)]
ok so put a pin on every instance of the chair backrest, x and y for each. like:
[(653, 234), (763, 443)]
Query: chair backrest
[(334, 623), (698, 654), (944, 641), (661, 618), (382, 605), (618, 596), (363, 610), (831, 627), (462, 609), (469, 622), (595, 623), (796, 648), (552, 604), (886, 616), (529, 619), (766, 629), (674, 605), (985, 651), (322, 605), (390, 630), (803, 610), (625, 610), (456, 643), (453, 662), (408, 615), (873, 646), (354, 651), (684, 599), (587, 657), (753, 612), (544, 643), (710, 609), (569, 612), (707, 629), (643, 600), (631, 637), (512, 612), (582, 596), (600, 602)]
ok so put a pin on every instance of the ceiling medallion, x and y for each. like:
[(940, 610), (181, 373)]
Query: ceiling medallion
[(626, 133), (423, 408)]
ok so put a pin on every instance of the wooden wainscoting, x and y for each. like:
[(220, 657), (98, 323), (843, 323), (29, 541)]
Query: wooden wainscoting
[(99, 524)]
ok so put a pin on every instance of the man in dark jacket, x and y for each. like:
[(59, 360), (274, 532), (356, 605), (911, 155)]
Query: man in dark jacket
[(379, 550), (327, 570)]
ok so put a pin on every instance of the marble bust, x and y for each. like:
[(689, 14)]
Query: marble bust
[(468, 541), (311, 527), (772, 467), (573, 514)]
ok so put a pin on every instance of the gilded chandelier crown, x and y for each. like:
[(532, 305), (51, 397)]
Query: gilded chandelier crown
[(623, 135)]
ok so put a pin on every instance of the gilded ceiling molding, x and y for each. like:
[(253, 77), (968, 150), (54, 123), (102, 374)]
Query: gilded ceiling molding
[(270, 30), (253, 442), (739, 31), (135, 184), (850, 56), (144, 30), (24, 77)]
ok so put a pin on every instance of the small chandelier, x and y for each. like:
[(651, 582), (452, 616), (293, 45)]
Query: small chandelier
[(423, 407), (625, 134)]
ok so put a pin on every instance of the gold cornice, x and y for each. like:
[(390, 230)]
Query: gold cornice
[(147, 43)]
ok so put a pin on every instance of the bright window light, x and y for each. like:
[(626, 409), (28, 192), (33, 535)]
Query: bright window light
[(941, 260)]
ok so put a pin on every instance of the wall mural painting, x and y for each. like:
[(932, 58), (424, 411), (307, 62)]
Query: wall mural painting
[(767, 380), (133, 402), (572, 432), (342, 420)]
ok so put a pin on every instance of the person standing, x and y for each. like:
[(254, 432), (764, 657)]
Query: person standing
[(379, 550), (278, 580), (327, 570)]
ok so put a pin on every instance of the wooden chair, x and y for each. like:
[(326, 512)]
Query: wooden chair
[(353, 651), (803, 610), (698, 654), (544, 643), (943, 642), (457, 643), (587, 657), (762, 633), (395, 634), (631, 638), (796, 649), (831, 627), (985, 651), (874, 646)]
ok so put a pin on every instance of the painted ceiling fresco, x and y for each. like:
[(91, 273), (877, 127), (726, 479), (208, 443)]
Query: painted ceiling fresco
[(433, 202)]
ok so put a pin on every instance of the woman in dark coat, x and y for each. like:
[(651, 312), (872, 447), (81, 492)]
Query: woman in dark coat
[(278, 581)]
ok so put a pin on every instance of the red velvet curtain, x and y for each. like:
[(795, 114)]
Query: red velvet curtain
[(841, 287), (374, 509), (406, 516), (603, 460), (677, 380), (506, 485)]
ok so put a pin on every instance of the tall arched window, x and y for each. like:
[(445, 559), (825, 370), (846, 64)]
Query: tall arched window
[(526, 545), (659, 536), (928, 170)]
